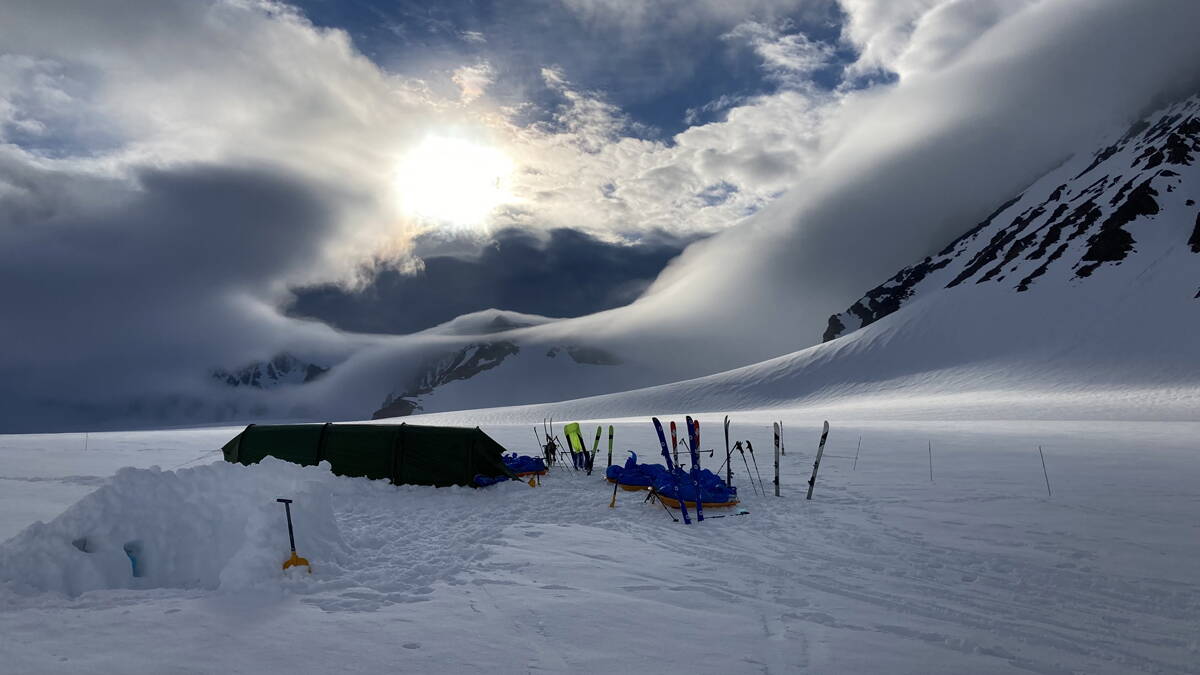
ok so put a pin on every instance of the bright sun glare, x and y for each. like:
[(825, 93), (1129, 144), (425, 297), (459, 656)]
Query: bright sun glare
[(452, 181)]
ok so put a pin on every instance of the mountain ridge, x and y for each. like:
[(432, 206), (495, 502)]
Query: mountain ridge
[(1083, 227)]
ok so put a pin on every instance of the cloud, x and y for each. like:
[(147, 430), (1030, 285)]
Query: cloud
[(563, 273), (103, 300), (586, 165), (911, 36), (167, 170), (907, 167), (788, 58), (473, 80)]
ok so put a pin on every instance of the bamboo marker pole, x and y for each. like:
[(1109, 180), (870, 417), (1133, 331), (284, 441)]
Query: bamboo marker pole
[(85, 441), (930, 461), (856, 454), (1044, 472)]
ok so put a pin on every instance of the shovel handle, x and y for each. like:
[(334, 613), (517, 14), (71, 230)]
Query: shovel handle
[(287, 507)]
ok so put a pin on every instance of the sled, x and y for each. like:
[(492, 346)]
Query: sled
[(627, 486), (675, 503)]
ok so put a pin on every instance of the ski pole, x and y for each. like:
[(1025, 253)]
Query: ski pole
[(1044, 472), (729, 465), (613, 503), (729, 470), (654, 495), (545, 455), (741, 512), (738, 446), (750, 447)]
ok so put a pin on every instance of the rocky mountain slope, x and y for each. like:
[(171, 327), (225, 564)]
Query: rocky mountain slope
[(1070, 225), (283, 369)]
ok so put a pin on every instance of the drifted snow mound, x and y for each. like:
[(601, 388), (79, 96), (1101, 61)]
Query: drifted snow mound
[(210, 527)]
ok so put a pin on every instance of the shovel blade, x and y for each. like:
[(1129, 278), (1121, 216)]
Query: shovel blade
[(296, 560)]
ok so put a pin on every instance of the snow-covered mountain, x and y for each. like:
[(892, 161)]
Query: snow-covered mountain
[(283, 369), (1090, 274), (1133, 197), (1076, 299)]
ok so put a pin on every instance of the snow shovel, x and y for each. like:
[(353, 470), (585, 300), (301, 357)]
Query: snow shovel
[(295, 559)]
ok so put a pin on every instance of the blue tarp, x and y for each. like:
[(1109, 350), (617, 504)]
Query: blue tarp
[(713, 490), (523, 463), (517, 464), (484, 481), (634, 474)]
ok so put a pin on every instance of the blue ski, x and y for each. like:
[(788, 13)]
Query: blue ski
[(694, 445), (662, 440)]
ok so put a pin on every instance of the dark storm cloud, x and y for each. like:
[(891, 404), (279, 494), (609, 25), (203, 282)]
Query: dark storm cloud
[(568, 273), (100, 300)]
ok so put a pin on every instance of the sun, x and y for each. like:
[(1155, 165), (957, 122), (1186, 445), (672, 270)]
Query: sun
[(453, 182)]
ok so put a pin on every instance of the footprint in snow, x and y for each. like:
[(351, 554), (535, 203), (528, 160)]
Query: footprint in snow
[(412, 645)]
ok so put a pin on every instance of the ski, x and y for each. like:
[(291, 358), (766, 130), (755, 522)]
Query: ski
[(777, 459), (591, 460), (610, 439), (820, 449), (666, 453), (674, 442), (694, 445)]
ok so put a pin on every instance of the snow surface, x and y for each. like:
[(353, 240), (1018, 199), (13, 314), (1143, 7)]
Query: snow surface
[(884, 571)]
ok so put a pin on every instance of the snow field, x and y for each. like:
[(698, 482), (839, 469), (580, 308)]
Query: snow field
[(883, 571)]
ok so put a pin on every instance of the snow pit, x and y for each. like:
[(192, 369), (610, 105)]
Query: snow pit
[(211, 527), (219, 528)]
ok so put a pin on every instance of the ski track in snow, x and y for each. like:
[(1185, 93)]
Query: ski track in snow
[(883, 571)]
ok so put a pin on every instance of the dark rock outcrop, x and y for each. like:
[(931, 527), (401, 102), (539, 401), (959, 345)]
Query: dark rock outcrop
[(283, 369), (462, 364)]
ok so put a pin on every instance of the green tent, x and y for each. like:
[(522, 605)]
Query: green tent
[(402, 453)]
